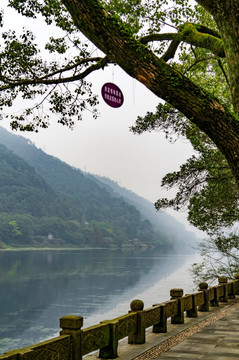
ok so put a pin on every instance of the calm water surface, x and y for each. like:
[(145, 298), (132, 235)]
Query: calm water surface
[(38, 287)]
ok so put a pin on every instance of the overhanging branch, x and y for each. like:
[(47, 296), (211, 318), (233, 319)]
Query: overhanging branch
[(169, 54), (45, 80), (192, 34)]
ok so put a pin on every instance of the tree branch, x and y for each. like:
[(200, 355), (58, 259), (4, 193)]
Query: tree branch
[(46, 81), (169, 54), (115, 39), (223, 71), (206, 30), (70, 67), (192, 34), (198, 61)]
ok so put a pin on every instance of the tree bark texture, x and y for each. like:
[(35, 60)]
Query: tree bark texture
[(227, 19), (114, 39)]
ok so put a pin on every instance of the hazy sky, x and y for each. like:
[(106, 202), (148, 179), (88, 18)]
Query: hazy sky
[(106, 147)]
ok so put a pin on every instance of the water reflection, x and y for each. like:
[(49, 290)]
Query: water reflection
[(38, 287)]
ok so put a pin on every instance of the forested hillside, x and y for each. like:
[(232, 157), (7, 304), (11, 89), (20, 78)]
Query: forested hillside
[(175, 231), (44, 201)]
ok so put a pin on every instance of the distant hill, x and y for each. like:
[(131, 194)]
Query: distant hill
[(44, 201), (163, 222)]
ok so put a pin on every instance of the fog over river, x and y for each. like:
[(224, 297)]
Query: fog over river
[(38, 287)]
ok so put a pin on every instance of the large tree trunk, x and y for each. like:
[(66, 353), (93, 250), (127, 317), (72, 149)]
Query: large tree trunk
[(115, 40), (226, 15), (229, 29)]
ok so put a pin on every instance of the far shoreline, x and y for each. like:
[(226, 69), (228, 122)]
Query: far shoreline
[(51, 248), (72, 248)]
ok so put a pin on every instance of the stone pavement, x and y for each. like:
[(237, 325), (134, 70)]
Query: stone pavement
[(212, 335), (220, 341)]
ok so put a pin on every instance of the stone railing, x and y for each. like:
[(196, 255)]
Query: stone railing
[(75, 342)]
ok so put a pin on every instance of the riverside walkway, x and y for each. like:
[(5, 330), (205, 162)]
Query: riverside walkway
[(202, 325), (211, 336)]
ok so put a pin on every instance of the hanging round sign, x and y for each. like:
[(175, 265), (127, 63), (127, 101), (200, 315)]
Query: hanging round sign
[(112, 95)]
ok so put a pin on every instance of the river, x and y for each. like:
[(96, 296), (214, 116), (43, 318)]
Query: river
[(38, 287)]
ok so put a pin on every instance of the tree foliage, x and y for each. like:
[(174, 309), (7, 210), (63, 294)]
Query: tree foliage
[(205, 184), (185, 53), (41, 78)]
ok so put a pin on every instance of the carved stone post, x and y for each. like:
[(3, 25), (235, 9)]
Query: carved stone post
[(215, 300), (139, 337), (110, 351), (223, 281), (177, 294), (236, 277), (203, 286), (194, 311), (161, 326), (232, 289), (71, 325)]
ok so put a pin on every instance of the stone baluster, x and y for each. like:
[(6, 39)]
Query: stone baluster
[(71, 325), (222, 280), (236, 277), (215, 300), (203, 286), (110, 351), (194, 311), (139, 337), (177, 294), (161, 326)]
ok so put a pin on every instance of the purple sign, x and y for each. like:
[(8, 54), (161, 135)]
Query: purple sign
[(112, 95)]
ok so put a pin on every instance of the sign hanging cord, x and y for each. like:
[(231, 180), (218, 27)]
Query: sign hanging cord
[(113, 74)]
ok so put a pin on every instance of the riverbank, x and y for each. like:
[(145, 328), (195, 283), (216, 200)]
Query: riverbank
[(48, 248), (39, 287), (123, 248), (75, 248)]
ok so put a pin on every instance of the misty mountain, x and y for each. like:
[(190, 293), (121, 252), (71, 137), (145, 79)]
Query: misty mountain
[(44, 201), (161, 221)]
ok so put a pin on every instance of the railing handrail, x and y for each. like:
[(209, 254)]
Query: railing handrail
[(75, 342)]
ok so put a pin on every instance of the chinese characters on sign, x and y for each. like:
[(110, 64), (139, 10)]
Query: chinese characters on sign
[(112, 95)]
